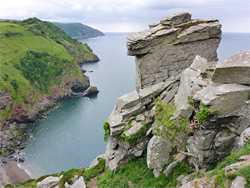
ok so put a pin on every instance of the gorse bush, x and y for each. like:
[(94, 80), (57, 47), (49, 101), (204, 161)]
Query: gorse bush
[(169, 126)]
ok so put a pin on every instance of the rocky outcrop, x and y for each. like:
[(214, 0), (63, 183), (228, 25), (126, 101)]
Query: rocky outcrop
[(175, 60), (191, 82), (131, 122), (170, 46), (235, 70), (239, 182), (213, 137), (48, 182), (79, 183), (244, 137), (158, 152), (92, 90), (228, 104)]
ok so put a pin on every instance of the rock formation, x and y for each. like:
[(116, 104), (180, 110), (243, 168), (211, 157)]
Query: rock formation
[(196, 85), (170, 46)]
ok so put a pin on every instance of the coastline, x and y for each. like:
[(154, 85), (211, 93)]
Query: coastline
[(11, 173)]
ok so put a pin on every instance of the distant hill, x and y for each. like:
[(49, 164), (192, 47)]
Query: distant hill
[(78, 30)]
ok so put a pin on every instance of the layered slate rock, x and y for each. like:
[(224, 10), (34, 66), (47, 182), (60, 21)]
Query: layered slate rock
[(235, 69), (176, 19), (79, 183), (170, 46), (226, 100), (238, 182), (136, 108), (191, 82), (49, 182), (158, 151)]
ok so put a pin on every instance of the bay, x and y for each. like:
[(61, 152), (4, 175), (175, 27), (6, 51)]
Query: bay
[(71, 136)]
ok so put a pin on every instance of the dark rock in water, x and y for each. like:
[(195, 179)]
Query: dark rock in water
[(78, 85), (92, 90)]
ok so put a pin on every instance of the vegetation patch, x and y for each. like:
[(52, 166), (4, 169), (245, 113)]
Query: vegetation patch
[(169, 126), (210, 70), (107, 130), (95, 171), (69, 175), (136, 174), (133, 138), (203, 113), (41, 69), (244, 172), (219, 179)]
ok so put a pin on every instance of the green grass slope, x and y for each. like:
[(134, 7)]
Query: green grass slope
[(37, 60), (78, 30)]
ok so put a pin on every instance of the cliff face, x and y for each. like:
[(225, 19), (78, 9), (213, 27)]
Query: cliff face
[(213, 97), (170, 46)]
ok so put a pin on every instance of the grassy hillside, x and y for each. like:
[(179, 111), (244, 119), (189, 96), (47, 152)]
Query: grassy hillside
[(78, 30), (37, 60)]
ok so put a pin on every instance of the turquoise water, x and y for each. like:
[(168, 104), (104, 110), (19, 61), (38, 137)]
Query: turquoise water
[(72, 136)]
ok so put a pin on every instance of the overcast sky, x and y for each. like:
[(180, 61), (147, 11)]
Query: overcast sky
[(128, 15)]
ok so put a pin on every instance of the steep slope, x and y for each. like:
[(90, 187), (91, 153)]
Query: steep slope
[(78, 30), (39, 64)]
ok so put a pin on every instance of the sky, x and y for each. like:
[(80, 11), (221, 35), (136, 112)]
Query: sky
[(128, 15)]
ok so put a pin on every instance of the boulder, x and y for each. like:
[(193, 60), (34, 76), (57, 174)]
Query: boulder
[(158, 151), (134, 129), (176, 19), (151, 91), (238, 182), (244, 137), (205, 139), (127, 101), (199, 64), (48, 182), (235, 69), (226, 100), (224, 142), (79, 183), (116, 123)]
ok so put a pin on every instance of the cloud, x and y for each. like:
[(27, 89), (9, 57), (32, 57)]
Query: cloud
[(128, 15)]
